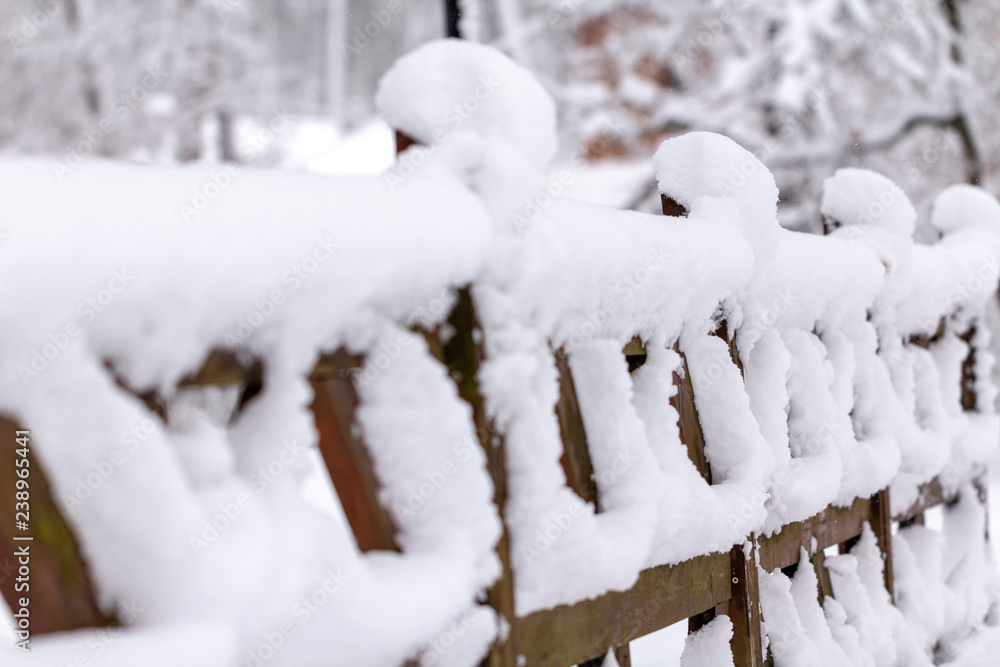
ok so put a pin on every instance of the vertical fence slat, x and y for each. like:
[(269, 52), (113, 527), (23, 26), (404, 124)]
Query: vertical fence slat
[(744, 606), (881, 522), (575, 458), (824, 588), (690, 427), (348, 463), (463, 354)]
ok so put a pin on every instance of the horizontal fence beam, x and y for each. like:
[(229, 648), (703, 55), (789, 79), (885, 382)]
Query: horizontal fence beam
[(664, 595), (225, 368), (930, 495), (571, 634), (834, 525)]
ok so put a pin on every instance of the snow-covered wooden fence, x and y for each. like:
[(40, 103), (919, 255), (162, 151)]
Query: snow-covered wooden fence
[(552, 427)]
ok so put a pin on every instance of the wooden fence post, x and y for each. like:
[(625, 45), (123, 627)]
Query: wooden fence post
[(463, 354), (743, 607)]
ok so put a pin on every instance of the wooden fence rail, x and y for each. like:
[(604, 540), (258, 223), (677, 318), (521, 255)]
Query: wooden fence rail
[(696, 589)]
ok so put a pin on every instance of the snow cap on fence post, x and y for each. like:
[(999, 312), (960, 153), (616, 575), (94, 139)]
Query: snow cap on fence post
[(871, 208), (699, 167), (449, 85), (963, 207)]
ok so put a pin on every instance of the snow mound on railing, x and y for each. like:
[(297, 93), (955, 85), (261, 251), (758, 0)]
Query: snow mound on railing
[(452, 84), (701, 165), (106, 270)]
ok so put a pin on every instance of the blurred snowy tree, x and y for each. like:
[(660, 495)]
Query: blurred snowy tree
[(900, 86), (168, 81)]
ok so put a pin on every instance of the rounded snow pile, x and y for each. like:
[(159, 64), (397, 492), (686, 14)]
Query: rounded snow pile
[(868, 199), (705, 164), (449, 85), (964, 206)]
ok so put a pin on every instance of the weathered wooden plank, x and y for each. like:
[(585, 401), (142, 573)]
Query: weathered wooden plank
[(226, 368), (744, 606), (969, 372), (734, 353), (623, 654), (831, 526), (572, 634), (881, 523), (930, 495), (575, 458), (691, 434), (403, 141), (671, 207), (463, 354), (349, 465), (61, 595), (825, 588), (635, 353), (924, 341)]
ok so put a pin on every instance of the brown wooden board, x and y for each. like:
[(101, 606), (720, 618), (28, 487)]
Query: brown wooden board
[(881, 523), (334, 403), (690, 427), (60, 596), (831, 526), (744, 606), (930, 494), (825, 588), (226, 368), (969, 372), (623, 654), (572, 634), (575, 458), (463, 354)]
